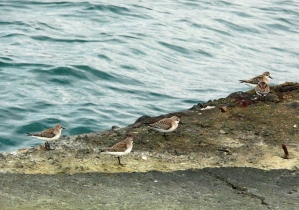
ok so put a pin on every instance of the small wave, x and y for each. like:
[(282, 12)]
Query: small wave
[(94, 74), (60, 71), (12, 113), (14, 23), (203, 52), (51, 39), (105, 57), (39, 105), (174, 47), (111, 8), (12, 35), (279, 27), (236, 27), (6, 143), (6, 62)]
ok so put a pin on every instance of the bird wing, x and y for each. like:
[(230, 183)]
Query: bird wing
[(254, 80), (242, 81), (49, 133), (119, 147), (164, 124)]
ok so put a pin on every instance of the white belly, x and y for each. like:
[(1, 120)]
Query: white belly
[(118, 153), (47, 139), (165, 131)]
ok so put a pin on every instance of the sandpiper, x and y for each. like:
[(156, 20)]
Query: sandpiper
[(265, 77), (166, 125), (50, 134), (262, 89), (119, 149)]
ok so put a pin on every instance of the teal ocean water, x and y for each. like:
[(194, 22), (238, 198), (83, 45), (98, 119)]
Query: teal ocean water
[(90, 65)]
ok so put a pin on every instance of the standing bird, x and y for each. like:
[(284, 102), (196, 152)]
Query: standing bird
[(265, 77), (119, 149), (50, 134), (166, 125), (262, 89)]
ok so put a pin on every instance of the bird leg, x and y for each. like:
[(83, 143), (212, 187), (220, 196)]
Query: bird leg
[(119, 161), (47, 146), (165, 136)]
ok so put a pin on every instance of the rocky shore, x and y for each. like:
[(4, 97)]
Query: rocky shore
[(228, 154)]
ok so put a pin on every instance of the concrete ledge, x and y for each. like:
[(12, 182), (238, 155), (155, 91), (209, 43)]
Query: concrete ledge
[(209, 188)]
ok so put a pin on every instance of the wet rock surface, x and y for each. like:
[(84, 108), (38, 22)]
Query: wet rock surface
[(201, 164)]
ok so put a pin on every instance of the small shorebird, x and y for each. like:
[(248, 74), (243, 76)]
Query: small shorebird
[(119, 149), (262, 89), (265, 77), (166, 125), (50, 134)]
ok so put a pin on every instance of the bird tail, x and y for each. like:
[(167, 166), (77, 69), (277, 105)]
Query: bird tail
[(243, 81)]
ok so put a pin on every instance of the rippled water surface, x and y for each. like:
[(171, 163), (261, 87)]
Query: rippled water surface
[(92, 64)]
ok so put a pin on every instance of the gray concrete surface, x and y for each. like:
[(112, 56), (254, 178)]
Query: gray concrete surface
[(209, 188)]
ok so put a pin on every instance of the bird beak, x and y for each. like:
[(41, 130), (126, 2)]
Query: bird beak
[(181, 122), (63, 128), (270, 77)]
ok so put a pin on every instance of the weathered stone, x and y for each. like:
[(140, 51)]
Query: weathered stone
[(18, 165), (222, 132), (142, 118), (266, 133), (293, 105)]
